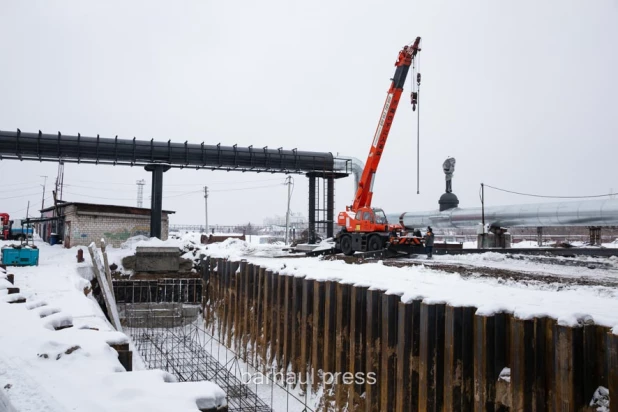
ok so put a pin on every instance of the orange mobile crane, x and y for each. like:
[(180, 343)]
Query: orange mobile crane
[(365, 228)]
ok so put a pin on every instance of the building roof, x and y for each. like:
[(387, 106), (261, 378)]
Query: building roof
[(132, 210)]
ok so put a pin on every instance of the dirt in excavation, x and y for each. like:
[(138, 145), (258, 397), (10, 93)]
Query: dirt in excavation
[(470, 271)]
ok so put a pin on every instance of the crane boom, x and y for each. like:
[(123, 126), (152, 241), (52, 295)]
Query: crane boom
[(364, 192)]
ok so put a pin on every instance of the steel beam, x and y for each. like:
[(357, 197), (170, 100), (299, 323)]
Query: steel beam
[(156, 199)]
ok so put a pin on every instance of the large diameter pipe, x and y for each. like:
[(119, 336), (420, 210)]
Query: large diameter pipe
[(582, 213), (40, 146)]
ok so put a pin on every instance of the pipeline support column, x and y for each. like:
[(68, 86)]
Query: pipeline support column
[(330, 207), (156, 199), (312, 204)]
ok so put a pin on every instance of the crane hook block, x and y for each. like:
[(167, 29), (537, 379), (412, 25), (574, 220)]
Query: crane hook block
[(418, 79), (414, 98)]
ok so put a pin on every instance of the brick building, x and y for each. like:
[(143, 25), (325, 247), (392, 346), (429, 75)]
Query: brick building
[(79, 224)]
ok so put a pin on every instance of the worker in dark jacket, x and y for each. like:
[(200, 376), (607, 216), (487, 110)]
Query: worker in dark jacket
[(429, 242)]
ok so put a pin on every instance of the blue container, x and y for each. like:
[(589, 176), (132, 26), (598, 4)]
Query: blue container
[(53, 239), (20, 256)]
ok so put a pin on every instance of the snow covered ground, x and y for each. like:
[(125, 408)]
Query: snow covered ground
[(567, 304), (75, 369)]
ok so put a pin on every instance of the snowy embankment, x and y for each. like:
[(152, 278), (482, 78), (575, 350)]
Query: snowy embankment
[(569, 305), (44, 369)]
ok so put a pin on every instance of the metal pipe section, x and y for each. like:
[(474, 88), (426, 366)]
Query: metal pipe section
[(49, 147), (351, 163), (581, 213)]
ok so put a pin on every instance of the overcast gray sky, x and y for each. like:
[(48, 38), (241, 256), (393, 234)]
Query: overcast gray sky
[(523, 94)]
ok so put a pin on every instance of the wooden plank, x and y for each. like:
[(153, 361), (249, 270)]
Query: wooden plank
[(106, 287)]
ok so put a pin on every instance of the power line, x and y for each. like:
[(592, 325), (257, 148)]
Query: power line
[(16, 197), (18, 184), (547, 196), (245, 188), (173, 185), (100, 197), (21, 189), (171, 196), (20, 210)]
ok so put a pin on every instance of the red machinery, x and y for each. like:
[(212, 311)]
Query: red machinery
[(365, 228), (5, 226)]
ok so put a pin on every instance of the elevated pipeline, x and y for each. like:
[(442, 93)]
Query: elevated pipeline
[(81, 149), (581, 213)]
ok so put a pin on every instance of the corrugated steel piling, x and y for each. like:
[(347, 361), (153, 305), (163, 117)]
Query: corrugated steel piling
[(370, 351), (568, 345), (306, 332), (431, 357), (408, 349), (388, 367), (330, 306), (342, 344), (317, 335), (612, 351), (358, 316), (293, 349)]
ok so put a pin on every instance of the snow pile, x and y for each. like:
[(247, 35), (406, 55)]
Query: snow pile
[(75, 368), (505, 375), (600, 399), (133, 243), (326, 244), (236, 249)]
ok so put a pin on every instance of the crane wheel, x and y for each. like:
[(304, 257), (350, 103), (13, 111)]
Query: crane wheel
[(346, 245), (375, 243)]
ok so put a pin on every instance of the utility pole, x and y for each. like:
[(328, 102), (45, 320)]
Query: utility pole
[(206, 208), (288, 181), (60, 179), (140, 192), (483, 205), (43, 199)]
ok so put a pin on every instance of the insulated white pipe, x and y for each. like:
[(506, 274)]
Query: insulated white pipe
[(581, 213)]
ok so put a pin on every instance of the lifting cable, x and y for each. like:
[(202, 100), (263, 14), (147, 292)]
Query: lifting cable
[(418, 125), (415, 97)]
